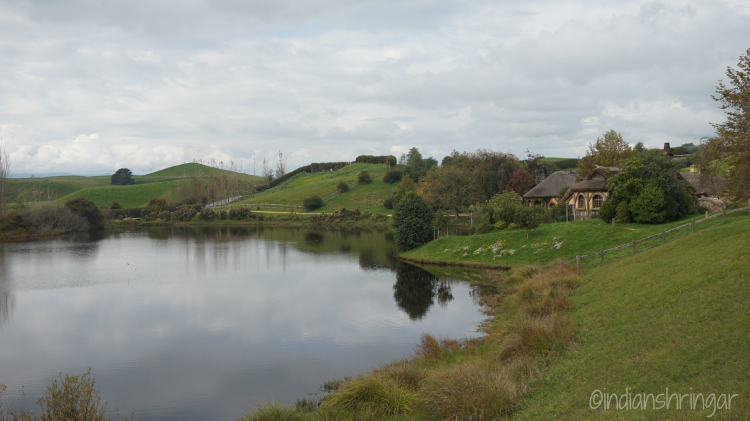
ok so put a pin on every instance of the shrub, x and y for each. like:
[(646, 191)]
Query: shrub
[(312, 203), (412, 221), (88, 210), (239, 213), (184, 213), (648, 207), (342, 187), (207, 214), (393, 176), (159, 203), (364, 177), (115, 205), (223, 214), (388, 203), (623, 214), (11, 221)]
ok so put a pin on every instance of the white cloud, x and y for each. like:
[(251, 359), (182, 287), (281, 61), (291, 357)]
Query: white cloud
[(329, 79)]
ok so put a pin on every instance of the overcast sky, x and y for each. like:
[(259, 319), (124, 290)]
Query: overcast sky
[(88, 87)]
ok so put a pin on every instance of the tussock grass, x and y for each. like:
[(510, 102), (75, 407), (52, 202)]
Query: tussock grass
[(373, 395), (273, 411)]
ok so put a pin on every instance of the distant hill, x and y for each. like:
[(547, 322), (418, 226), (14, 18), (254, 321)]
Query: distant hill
[(189, 169)]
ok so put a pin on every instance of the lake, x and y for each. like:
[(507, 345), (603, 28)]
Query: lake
[(205, 323)]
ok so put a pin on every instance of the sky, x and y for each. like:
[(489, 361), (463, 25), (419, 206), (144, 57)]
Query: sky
[(88, 87)]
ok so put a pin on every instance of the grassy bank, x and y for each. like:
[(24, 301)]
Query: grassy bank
[(545, 244), (677, 316), (674, 316)]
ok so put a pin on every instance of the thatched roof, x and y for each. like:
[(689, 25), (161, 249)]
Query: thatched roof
[(710, 184), (550, 186), (590, 184)]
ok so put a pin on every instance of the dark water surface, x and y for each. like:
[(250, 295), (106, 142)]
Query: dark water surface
[(199, 324)]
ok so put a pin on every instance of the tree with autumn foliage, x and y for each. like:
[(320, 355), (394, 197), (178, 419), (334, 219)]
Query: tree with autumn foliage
[(449, 187), (608, 151), (520, 182), (734, 133)]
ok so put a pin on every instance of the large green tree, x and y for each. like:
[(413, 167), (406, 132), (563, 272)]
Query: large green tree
[(448, 187), (734, 133), (88, 210), (122, 177), (608, 151), (412, 221)]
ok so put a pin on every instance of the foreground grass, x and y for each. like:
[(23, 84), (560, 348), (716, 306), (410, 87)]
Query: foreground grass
[(575, 238), (677, 316)]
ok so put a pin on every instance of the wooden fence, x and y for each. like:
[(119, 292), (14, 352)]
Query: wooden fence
[(663, 235)]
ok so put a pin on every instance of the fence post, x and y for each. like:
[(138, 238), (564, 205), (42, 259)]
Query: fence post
[(602, 253), (634, 250), (578, 260), (613, 222), (663, 237), (692, 227), (706, 214)]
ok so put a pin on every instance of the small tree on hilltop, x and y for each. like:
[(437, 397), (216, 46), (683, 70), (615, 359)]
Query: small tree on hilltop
[(412, 220), (608, 151), (122, 177)]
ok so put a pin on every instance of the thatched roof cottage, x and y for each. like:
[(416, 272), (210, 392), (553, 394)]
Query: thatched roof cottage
[(546, 193)]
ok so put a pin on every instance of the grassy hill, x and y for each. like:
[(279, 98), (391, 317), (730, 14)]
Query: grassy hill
[(99, 189), (367, 196), (576, 238), (677, 316)]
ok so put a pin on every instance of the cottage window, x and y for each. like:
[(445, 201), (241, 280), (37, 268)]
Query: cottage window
[(581, 202), (597, 201)]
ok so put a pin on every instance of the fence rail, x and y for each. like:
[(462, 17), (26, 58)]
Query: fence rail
[(633, 244)]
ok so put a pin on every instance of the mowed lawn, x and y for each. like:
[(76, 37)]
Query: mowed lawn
[(548, 242), (676, 316)]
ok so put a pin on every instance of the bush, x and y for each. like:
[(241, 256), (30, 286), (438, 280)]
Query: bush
[(159, 203), (393, 176), (648, 207), (11, 221), (88, 210), (184, 213), (115, 205), (608, 210), (312, 203), (364, 177), (342, 187), (388, 203), (222, 215), (623, 213), (412, 221), (239, 213), (207, 214)]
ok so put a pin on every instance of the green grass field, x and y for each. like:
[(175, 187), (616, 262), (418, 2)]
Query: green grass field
[(99, 189), (676, 316), (577, 238), (366, 196)]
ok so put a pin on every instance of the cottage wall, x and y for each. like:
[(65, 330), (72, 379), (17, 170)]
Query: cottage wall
[(588, 210)]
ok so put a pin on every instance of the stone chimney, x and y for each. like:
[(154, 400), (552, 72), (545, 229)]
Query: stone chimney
[(541, 173)]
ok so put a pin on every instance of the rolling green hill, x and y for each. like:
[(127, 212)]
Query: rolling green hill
[(367, 196), (136, 195)]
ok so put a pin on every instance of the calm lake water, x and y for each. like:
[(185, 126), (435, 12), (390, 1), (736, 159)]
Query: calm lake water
[(199, 324)]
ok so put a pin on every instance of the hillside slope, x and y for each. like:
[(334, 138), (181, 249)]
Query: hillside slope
[(367, 196), (676, 316)]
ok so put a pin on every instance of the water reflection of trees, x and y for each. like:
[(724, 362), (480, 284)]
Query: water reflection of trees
[(416, 289), (7, 305)]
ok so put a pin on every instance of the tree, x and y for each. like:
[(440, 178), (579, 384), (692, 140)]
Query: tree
[(88, 210), (520, 181), (159, 203), (342, 187), (115, 205), (122, 177), (658, 172), (364, 177), (412, 221), (406, 185), (503, 208), (280, 165), (448, 187), (528, 218), (4, 173), (608, 151), (734, 133)]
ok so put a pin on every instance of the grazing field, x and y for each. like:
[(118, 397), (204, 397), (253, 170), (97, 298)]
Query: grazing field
[(546, 243), (676, 316), (136, 195), (366, 196)]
